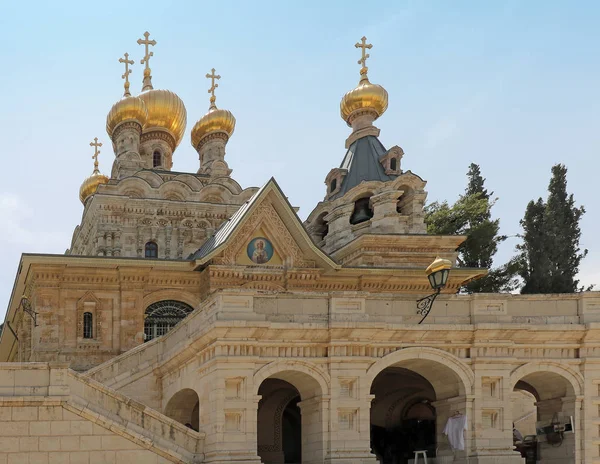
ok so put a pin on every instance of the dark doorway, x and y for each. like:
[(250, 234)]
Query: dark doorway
[(403, 420), (279, 423)]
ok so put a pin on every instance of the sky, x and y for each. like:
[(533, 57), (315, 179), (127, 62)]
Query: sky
[(513, 86)]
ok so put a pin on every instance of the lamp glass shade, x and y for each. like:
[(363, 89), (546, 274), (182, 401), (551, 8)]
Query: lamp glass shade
[(439, 278)]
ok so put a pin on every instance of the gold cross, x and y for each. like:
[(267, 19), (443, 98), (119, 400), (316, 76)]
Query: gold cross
[(147, 82), (96, 145), (125, 76), (363, 60), (146, 42), (212, 76)]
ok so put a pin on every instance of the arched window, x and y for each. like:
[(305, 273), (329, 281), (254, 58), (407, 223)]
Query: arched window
[(393, 164), (156, 159), (88, 325), (162, 316), (151, 250), (333, 185)]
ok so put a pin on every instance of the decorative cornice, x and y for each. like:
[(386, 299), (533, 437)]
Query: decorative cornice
[(217, 135), (126, 125), (159, 134)]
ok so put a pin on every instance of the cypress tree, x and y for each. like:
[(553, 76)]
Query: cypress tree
[(550, 254), (533, 260)]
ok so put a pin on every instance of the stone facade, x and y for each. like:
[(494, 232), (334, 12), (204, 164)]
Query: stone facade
[(326, 352), (245, 336)]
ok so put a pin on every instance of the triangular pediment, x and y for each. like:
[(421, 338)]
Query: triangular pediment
[(267, 232)]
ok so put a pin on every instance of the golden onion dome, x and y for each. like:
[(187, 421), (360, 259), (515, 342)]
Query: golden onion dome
[(366, 96), (216, 120), (90, 185), (127, 109), (165, 111)]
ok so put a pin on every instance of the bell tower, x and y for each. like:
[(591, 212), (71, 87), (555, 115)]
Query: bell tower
[(368, 194)]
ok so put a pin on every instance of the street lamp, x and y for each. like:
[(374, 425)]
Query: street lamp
[(437, 273)]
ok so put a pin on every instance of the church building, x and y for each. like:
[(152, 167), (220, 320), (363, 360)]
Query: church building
[(195, 321)]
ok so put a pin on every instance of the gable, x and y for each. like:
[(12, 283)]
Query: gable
[(265, 231)]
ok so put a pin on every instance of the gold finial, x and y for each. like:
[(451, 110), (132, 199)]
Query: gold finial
[(363, 60), (96, 145), (125, 76), (212, 76), (146, 60)]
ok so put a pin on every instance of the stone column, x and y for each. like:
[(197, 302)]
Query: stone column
[(340, 231), (350, 416), (491, 417), (168, 230), (590, 413), (386, 218), (315, 415), (117, 244), (229, 415)]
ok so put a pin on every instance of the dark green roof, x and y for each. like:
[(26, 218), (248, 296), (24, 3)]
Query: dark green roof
[(362, 163)]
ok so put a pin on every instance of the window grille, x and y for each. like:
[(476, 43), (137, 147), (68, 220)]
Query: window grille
[(156, 159), (88, 325), (162, 316)]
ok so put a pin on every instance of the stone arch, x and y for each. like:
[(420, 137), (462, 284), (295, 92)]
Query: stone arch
[(227, 182), (440, 379), (184, 407), (409, 179), (192, 182), (153, 179), (412, 359), (135, 184), (175, 187), (171, 294), (212, 191), (557, 389), (304, 385), (369, 188), (574, 378), (306, 377)]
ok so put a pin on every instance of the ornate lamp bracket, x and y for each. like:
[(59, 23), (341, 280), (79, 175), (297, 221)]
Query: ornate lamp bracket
[(26, 306), (425, 304)]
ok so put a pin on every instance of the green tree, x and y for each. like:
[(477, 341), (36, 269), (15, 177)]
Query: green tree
[(471, 216), (533, 261), (549, 256)]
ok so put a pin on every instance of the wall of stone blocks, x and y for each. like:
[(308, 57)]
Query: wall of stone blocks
[(31, 433)]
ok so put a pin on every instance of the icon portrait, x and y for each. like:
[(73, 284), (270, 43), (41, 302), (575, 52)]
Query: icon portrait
[(260, 250)]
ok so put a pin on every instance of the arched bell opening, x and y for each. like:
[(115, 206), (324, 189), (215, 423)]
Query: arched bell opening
[(404, 205), (321, 227), (362, 211)]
